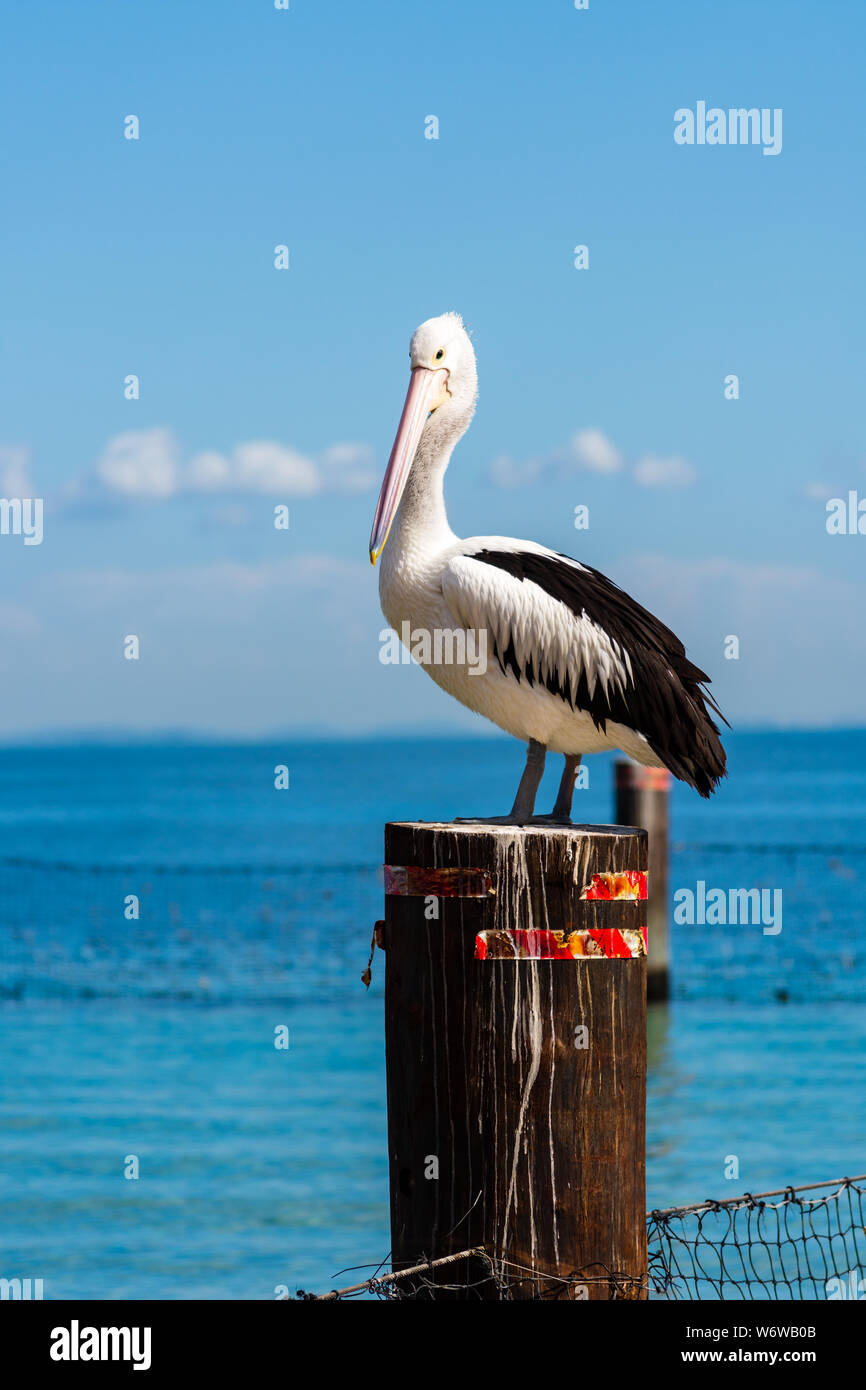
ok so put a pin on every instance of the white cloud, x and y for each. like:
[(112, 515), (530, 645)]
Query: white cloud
[(592, 449), (818, 492), (651, 471), (140, 463), (17, 619), (269, 468), (350, 467), (588, 449), (146, 465), (208, 472), (14, 471), (507, 472)]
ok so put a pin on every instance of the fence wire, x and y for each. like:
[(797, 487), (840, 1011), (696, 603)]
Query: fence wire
[(752, 1247), (473, 1275), (743, 1248)]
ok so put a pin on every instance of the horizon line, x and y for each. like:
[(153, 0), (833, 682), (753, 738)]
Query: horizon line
[(202, 738)]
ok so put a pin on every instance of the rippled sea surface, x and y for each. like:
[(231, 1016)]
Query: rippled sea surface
[(153, 1036)]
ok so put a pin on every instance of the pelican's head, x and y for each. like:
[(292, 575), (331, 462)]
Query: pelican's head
[(439, 403)]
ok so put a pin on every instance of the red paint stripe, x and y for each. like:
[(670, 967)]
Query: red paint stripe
[(606, 943), (627, 886), (414, 882)]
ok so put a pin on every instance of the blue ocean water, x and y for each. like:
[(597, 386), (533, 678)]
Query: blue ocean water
[(261, 1168)]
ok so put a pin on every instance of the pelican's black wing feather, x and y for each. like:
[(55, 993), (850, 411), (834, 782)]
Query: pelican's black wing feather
[(666, 700)]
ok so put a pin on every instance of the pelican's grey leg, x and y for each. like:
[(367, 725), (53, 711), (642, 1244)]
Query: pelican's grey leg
[(524, 802), (562, 809)]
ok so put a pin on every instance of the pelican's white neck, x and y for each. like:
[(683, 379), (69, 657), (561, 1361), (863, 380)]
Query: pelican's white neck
[(421, 517)]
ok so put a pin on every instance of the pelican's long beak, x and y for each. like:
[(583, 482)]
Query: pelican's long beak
[(427, 391)]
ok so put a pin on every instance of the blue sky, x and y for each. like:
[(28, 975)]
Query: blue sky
[(260, 127)]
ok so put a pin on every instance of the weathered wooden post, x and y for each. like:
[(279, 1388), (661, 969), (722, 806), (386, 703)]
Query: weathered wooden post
[(643, 798), (515, 1017)]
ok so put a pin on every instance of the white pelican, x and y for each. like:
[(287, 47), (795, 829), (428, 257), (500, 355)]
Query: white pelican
[(575, 665)]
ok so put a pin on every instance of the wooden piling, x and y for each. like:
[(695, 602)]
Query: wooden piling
[(515, 1022), (643, 798)]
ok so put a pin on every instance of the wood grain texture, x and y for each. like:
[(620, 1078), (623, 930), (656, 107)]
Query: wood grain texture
[(539, 1142)]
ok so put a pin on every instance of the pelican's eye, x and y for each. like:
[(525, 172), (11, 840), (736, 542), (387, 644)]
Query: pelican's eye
[(440, 354)]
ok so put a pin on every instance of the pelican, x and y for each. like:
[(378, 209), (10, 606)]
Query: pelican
[(575, 665)]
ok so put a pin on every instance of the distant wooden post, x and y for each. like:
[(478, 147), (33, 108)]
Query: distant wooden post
[(515, 1024), (643, 798)]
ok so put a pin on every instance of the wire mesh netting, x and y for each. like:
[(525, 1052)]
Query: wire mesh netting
[(803, 1242), (472, 1274), (798, 1243)]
